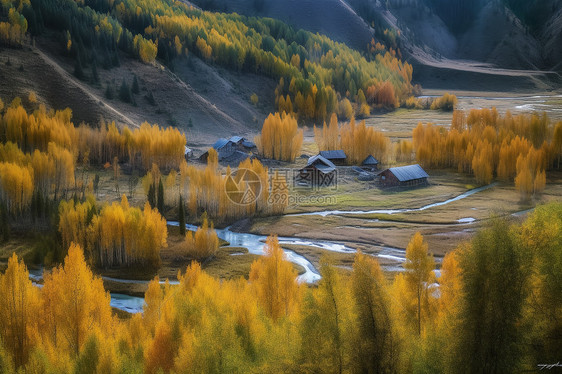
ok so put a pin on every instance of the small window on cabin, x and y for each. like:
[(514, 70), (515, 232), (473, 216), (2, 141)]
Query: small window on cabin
[(383, 177)]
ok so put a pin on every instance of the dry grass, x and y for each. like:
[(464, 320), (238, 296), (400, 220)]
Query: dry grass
[(21, 245)]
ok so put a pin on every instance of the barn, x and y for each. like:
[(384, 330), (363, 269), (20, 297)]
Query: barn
[(224, 147), (242, 143), (411, 175), (337, 157), (370, 164), (318, 172)]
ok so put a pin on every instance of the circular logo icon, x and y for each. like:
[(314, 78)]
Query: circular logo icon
[(243, 187)]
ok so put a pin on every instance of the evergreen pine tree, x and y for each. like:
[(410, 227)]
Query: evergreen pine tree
[(4, 224), (160, 197), (151, 196), (125, 92), (135, 87), (95, 75), (109, 91), (78, 71), (181, 219)]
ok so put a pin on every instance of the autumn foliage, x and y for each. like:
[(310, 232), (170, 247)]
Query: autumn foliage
[(274, 279), (357, 141), (489, 145), (41, 150), (353, 321), (119, 235), (203, 243), (207, 189), (280, 137), (74, 307)]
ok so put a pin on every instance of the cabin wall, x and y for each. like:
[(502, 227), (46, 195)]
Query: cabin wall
[(314, 177)]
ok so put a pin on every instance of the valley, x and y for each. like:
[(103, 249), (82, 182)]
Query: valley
[(262, 186)]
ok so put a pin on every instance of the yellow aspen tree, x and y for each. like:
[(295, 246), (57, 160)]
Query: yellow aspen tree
[(79, 304), (375, 328), (16, 186), (524, 178), (274, 280), (482, 163), (203, 243), (419, 277), (18, 318), (280, 137)]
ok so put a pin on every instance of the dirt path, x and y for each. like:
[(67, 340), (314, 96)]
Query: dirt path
[(203, 104), (72, 81)]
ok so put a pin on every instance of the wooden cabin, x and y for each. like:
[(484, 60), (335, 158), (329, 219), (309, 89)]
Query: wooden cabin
[(337, 157), (224, 147), (370, 164), (242, 143), (403, 176), (318, 172)]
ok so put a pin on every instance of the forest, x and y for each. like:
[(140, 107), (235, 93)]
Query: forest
[(517, 148), (495, 296), (316, 75)]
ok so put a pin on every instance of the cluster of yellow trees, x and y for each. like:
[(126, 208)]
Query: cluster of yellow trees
[(447, 102), (319, 73), (353, 321), (357, 141), (23, 173), (203, 243), (149, 143), (280, 137), (119, 235), (13, 32), (487, 144), (208, 189), (41, 149)]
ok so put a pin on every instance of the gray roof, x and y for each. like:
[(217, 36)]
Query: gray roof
[(408, 173), (322, 164), (236, 139), (334, 155), (248, 144), (370, 160), (220, 143), (235, 158)]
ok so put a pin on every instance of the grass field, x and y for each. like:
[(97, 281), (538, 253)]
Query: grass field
[(370, 232)]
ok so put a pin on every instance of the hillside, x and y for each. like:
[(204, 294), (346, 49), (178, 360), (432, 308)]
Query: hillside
[(215, 101), (474, 44), (333, 18), (205, 72), (505, 34)]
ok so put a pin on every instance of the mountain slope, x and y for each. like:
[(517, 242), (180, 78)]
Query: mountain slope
[(333, 18), (177, 101)]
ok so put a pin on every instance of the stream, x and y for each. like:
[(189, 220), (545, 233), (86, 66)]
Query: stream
[(255, 245), (464, 195)]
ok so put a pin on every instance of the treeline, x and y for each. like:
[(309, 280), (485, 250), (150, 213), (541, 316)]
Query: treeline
[(357, 141), (280, 137), (117, 235), (141, 146), (202, 243), (12, 33), (354, 321), (511, 148), (221, 196), (40, 153), (316, 75)]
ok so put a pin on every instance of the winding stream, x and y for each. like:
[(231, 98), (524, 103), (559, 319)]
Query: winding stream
[(464, 195), (255, 245)]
